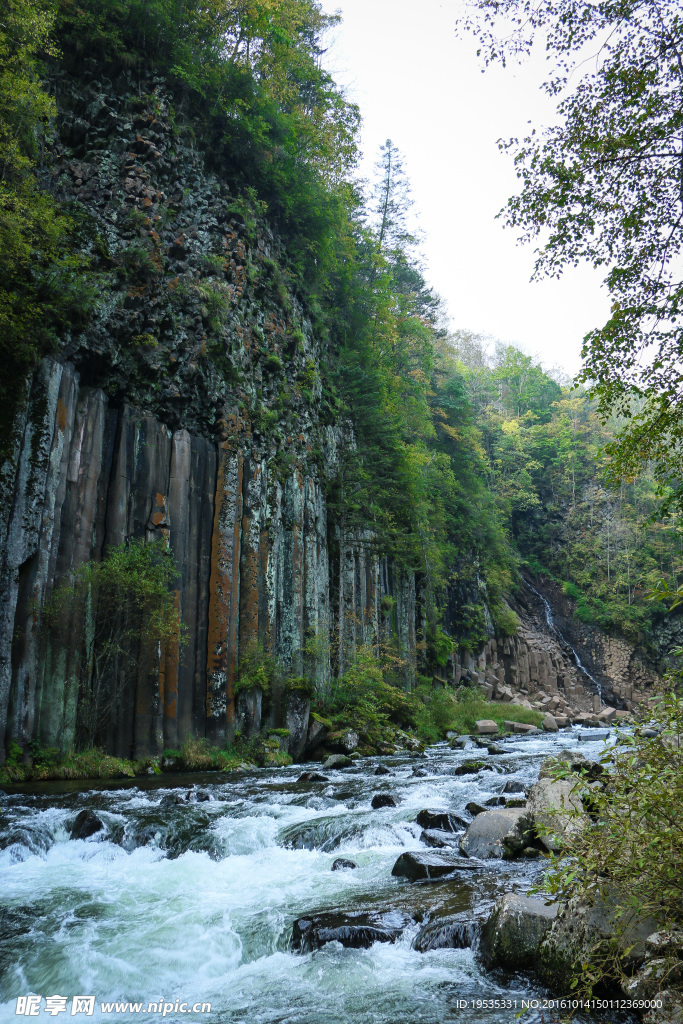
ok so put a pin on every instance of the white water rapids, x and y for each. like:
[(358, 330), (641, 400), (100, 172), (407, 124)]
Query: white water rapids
[(196, 901)]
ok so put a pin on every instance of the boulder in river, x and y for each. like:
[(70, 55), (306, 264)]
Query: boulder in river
[(335, 761), (575, 761), (474, 808), (498, 834), (86, 824), (382, 770), (312, 777), (580, 925), (513, 786), (445, 820), (514, 931), (383, 800), (170, 800), (342, 863), (446, 933), (472, 767), (495, 748), (317, 731), (416, 866), (486, 726), (549, 723), (199, 796), (457, 743), (355, 930), (557, 811), (438, 838)]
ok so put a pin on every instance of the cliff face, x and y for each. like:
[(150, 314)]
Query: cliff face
[(192, 410)]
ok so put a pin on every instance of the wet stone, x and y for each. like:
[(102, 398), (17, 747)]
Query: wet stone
[(170, 800), (312, 777), (472, 767), (474, 808), (199, 796), (358, 930), (446, 933), (443, 820), (416, 866), (514, 931), (497, 834), (495, 748), (381, 770), (438, 838), (513, 786), (383, 800), (86, 824), (420, 773), (337, 761), (341, 863)]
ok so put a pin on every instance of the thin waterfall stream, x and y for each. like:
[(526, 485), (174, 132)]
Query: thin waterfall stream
[(552, 626), (191, 892)]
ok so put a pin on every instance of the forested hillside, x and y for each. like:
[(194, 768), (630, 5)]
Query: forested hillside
[(214, 337), (569, 518)]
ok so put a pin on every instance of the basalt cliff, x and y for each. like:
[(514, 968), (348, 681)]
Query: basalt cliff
[(193, 409)]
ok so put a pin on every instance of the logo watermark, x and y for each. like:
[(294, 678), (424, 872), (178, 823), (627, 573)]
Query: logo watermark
[(52, 1006)]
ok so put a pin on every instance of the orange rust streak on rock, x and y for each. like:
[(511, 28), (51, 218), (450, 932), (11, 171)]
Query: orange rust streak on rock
[(168, 675), (61, 416)]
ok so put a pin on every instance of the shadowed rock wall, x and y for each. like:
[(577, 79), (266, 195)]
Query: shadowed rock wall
[(251, 549)]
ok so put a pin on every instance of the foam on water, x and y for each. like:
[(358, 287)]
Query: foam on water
[(91, 916)]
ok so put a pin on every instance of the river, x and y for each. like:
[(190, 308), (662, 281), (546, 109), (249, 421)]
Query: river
[(194, 901)]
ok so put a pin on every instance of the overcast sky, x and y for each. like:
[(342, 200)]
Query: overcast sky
[(422, 87)]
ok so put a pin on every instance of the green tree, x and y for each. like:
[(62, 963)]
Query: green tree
[(605, 184), (41, 287), (108, 611)]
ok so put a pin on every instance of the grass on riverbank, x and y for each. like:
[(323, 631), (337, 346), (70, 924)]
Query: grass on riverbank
[(447, 710), (49, 764)]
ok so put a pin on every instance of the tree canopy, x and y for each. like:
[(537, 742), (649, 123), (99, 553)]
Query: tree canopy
[(605, 184)]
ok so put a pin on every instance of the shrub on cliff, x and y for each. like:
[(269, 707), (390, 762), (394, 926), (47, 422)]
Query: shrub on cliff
[(111, 615)]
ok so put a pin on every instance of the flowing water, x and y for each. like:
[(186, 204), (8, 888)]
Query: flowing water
[(550, 622), (195, 900)]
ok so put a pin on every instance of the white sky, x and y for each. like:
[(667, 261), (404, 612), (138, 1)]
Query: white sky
[(422, 87)]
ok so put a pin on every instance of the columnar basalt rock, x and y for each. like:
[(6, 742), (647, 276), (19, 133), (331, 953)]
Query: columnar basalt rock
[(253, 565), (191, 412)]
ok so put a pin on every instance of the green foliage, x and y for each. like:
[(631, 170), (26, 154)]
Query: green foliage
[(444, 709), (505, 620), (273, 364), (364, 699), (603, 185), (257, 668), (43, 286), (111, 611), (567, 519), (50, 764), (196, 754), (252, 79), (299, 685), (630, 851), (442, 646)]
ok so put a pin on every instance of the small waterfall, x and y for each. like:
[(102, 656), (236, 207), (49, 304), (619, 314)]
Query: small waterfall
[(553, 629)]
